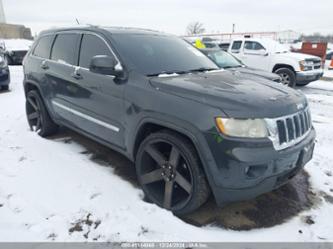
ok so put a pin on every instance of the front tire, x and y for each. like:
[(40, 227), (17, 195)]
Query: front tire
[(38, 117), (170, 173), (303, 83), (288, 76)]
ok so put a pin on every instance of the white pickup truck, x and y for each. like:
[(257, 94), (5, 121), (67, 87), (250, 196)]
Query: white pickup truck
[(269, 55)]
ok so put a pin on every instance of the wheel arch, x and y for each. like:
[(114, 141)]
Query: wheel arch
[(149, 126), (281, 65), (30, 85), (199, 143)]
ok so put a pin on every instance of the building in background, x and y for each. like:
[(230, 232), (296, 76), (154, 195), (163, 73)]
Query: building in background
[(287, 36), (12, 31)]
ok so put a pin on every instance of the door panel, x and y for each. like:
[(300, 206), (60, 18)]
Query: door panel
[(255, 55), (96, 99), (100, 101), (59, 71)]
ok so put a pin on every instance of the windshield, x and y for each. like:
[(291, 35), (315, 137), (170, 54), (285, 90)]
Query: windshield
[(224, 59), (158, 54), (277, 47)]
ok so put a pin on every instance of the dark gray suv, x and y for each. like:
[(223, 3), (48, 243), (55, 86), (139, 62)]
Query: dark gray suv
[(190, 127)]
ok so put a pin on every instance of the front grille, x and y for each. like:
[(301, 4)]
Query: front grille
[(20, 53), (316, 63), (292, 129)]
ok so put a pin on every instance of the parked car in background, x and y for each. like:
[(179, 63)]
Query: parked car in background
[(224, 45), (269, 55), (211, 44), (227, 61), (4, 74), (15, 50), (190, 128)]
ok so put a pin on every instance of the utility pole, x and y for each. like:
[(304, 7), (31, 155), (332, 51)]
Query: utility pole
[(233, 28), (2, 13)]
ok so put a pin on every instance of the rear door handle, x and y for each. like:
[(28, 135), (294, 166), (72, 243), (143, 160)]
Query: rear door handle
[(44, 65)]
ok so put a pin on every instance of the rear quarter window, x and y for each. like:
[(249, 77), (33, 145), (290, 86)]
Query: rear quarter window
[(43, 47), (64, 48)]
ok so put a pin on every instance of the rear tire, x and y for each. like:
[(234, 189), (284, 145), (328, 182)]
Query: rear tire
[(170, 173), (5, 88), (38, 117), (9, 60), (288, 76)]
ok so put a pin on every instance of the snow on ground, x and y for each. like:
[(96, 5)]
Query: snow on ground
[(51, 191)]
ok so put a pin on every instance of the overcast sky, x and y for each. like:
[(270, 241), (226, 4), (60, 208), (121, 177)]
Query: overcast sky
[(173, 16)]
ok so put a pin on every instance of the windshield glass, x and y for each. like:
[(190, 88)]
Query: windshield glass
[(158, 54), (224, 59), (277, 47)]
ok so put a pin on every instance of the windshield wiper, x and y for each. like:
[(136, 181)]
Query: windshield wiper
[(226, 67), (203, 69)]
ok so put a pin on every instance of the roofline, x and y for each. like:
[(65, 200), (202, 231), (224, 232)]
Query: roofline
[(89, 27)]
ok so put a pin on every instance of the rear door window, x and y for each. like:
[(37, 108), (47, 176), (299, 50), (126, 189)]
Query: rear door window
[(43, 47), (91, 46), (64, 48)]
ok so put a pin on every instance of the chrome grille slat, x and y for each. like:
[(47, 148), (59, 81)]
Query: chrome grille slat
[(306, 121), (292, 129), (302, 123), (286, 129)]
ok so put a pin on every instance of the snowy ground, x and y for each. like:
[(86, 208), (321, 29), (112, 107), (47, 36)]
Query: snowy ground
[(51, 190)]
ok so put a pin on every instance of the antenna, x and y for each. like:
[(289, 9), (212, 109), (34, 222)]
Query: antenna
[(77, 21), (2, 13)]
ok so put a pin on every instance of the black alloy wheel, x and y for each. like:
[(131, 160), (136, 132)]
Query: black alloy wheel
[(37, 115), (170, 173)]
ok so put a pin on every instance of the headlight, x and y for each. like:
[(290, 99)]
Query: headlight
[(306, 65), (250, 128)]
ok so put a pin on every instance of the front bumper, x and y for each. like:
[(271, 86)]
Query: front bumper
[(246, 169), (308, 76)]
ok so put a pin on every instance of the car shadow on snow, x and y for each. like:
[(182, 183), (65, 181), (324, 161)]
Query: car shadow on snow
[(264, 211)]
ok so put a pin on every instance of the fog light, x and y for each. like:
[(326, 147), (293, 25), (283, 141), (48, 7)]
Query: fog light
[(255, 171)]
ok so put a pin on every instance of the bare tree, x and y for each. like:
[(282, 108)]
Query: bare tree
[(195, 28)]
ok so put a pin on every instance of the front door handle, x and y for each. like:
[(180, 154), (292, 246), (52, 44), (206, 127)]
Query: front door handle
[(44, 65), (76, 74)]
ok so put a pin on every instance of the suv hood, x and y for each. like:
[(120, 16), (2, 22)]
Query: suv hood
[(257, 72), (299, 56), (237, 95)]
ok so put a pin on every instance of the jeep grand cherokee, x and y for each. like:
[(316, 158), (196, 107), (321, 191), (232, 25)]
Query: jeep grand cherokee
[(190, 127)]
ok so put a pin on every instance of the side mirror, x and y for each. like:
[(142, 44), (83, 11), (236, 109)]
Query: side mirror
[(106, 65)]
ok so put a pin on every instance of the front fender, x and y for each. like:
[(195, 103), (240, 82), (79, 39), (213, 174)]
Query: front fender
[(284, 60)]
